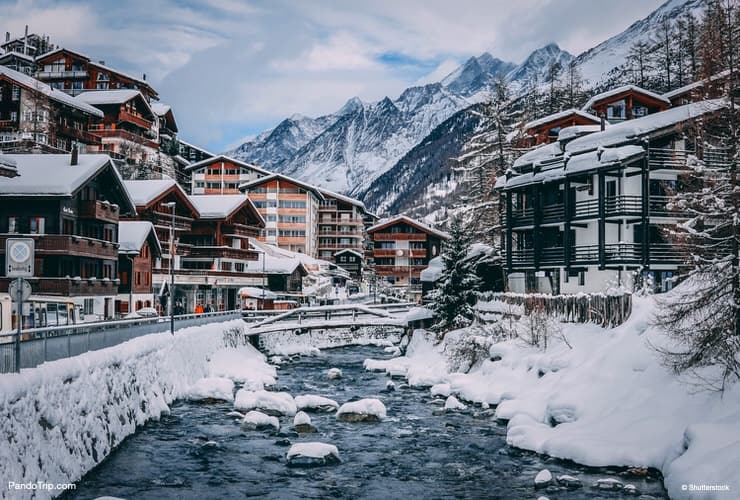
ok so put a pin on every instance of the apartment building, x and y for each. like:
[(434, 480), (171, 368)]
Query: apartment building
[(221, 175), (342, 223), (290, 208), (584, 214), (402, 248)]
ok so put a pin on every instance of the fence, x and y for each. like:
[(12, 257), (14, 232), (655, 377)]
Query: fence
[(39, 345), (602, 309)]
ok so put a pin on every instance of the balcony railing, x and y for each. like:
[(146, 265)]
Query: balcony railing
[(68, 287), (43, 75), (137, 120), (398, 252), (354, 222), (399, 236), (99, 210), (398, 270), (50, 244), (614, 253), (222, 252), (81, 135)]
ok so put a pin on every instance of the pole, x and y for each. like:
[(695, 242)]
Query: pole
[(264, 276), (171, 302), (19, 305), (131, 286)]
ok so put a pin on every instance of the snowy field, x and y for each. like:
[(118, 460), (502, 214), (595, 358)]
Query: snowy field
[(603, 400), (64, 417)]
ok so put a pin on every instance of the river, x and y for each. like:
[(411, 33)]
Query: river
[(198, 451)]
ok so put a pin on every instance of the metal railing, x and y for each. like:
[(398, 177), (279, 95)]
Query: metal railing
[(39, 345)]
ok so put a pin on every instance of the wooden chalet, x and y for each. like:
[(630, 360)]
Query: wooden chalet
[(35, 116), (75, 73), (138, 249), (128, 129), (70, 205), (546, 129), (402, 248), (625, 103)]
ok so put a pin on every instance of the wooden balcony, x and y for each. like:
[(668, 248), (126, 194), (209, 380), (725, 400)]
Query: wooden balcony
[(222, 252), (68, 287), (83, 136), (138, 120), (62, 244), (99, 210), (340, 221), (397, 252), (398, 270), (103, 132), (614, 254), (399, 236)]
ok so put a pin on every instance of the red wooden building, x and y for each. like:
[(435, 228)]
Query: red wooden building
[(625, 103)]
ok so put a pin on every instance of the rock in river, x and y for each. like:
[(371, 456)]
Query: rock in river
[(312, 455), (364, 410)]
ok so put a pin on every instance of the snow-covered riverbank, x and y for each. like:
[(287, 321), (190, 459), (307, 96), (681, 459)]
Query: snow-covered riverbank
[(64, 417), (606, 400)]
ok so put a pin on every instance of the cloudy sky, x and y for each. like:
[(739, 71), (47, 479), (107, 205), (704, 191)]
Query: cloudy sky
[(232, 68)]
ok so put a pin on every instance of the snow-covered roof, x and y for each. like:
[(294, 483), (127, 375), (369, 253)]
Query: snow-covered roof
[(17, 54), (412, 222), (160, 108), (258, 293), (559, 116), (620, 90), (106, 97), (144, 192), (284, 260), (695, 85), (224, 158), (567, 133), (349, 250), (221, 206), (52, 175), (544, 152), (346, 199), (280, 177), (137, 79), (640, 127), (53, 94), (190, 145), (8, 165), (133, 234)]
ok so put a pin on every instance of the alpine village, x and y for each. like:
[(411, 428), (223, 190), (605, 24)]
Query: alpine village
[(554, 247)]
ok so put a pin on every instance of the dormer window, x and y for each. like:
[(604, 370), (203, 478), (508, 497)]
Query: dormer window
[(103, 77)]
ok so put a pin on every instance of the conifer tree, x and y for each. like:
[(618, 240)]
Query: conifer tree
[(455, 294)]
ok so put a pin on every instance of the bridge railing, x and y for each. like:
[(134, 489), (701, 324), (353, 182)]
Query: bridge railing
[(39, 345)]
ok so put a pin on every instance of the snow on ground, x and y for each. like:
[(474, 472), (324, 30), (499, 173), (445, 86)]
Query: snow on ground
[(211, 388), (64, 417), (245, 365), (606, 401), (368, 406), (266, 401)]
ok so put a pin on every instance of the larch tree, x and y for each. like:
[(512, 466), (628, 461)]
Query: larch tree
[(455, 293), (638, 59), (703, 315), (574, 93)]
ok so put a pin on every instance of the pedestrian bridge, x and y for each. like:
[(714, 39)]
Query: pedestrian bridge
[(349, 316)]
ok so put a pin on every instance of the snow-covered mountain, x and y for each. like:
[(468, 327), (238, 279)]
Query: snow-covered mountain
[(349, 150)]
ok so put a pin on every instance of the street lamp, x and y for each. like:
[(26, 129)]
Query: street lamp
[(171, 302)]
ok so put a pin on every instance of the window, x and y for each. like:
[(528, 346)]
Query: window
[(343, 258), (290, 233), (292, 204), (89, 306), (77, 85), (385, 244), (270, 218), (100, 85), (14, 116), (16, 94), (37, 225), (102, 77), (239, 267), (293, 219), (582, 278), (13, 224), (265, 204)]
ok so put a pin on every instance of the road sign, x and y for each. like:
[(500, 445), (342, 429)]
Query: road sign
[(19, 253), (25, 289)]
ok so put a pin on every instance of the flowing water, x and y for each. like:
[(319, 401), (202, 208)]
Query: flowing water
[(198, 451)]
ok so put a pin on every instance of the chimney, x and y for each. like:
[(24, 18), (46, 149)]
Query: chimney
[(101, 62), (75, 155), (144, 77), (603, 121), (25, 42), (7, 36)]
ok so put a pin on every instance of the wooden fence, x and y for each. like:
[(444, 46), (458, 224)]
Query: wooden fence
[(601, 309)]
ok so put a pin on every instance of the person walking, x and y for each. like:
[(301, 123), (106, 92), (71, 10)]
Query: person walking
[(199, 308)]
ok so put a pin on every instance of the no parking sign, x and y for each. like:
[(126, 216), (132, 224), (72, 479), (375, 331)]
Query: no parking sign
[(19, 254)]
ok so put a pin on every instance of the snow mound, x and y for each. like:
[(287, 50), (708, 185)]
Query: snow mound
[(301, 418), (243, 364), (453, 403), (334, 374), (441, 390), (312, 402), (214, 388), (368, 409), (258, 420), (312, 454), (542, 479), (274, 403)]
